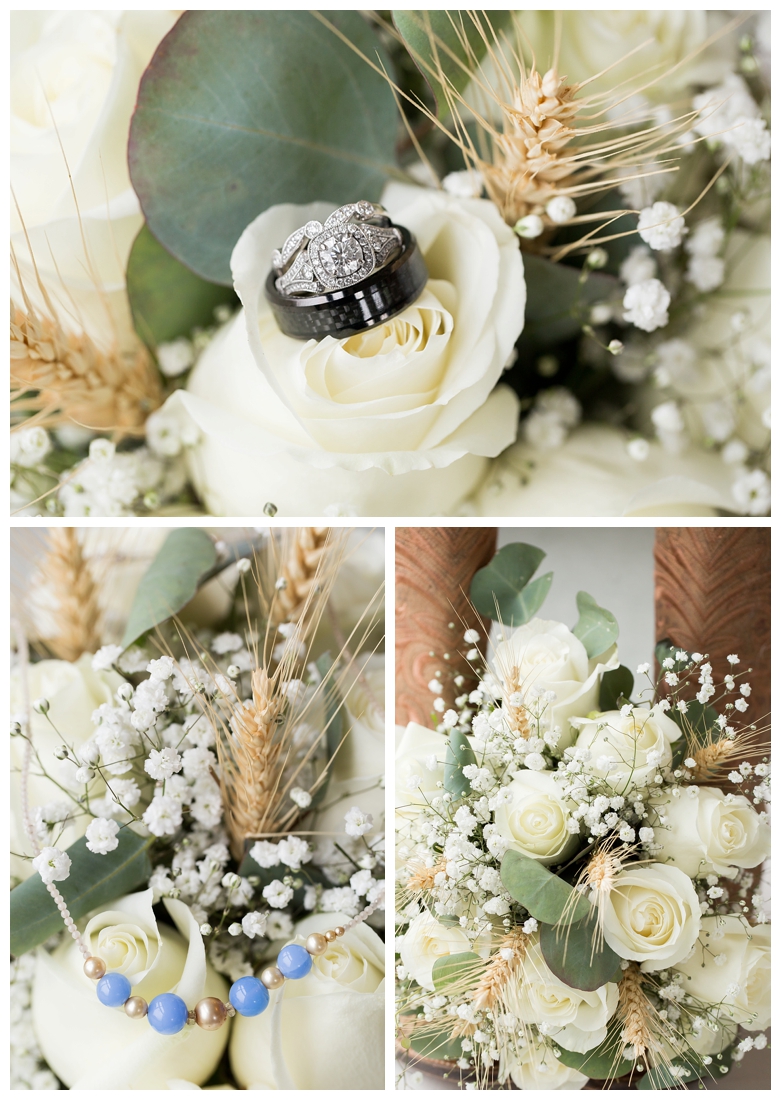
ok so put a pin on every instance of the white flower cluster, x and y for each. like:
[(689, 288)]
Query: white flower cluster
[(555, 412), (28, 1069), (613, 794), (729, 116)]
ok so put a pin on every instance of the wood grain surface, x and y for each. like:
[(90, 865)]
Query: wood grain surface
[(434, 568)]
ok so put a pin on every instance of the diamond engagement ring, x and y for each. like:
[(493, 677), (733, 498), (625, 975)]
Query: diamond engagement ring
[(355, 241), (353, 272)]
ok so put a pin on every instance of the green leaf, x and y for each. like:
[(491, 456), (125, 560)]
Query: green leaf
[(661, 1076), (334, 719), (597, 628), (171, 580), (448, 46), (604, 1062), (504, 584), (449, 968), (436, 1044), (94, 881), (459, 754), (616, 688), (570, 953), (557, 303), (240, 110), (166, 299), (546, 896)]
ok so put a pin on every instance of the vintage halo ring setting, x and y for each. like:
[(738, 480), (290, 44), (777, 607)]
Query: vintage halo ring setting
[(344, 276)]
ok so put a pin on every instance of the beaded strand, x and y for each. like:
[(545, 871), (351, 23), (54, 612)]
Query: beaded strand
[(168, 1014)]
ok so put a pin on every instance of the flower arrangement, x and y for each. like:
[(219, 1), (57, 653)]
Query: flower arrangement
[(197, 805), (579, 858), (590, 200)]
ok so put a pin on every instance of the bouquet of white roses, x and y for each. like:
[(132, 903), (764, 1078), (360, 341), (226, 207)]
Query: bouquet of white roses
[(197, 814), (577, 324), (579, 859)]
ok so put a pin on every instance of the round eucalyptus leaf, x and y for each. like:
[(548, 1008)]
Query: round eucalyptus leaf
[(240, 110)]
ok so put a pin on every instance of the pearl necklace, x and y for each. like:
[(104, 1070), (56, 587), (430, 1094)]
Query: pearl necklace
[(168, 1014)]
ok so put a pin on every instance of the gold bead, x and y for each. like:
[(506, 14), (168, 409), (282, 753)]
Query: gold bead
[(339, 930), (316, 943), (94, 968), (330, 935), (272, 977), (210, 1013), (136, 1008)]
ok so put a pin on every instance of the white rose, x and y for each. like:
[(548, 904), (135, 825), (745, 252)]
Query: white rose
[(74, 79), (73, 691), (395, 421), (710, 832), (548, 656), (90, 1046), (534, 822), (332, 1022), (591, 41), (620, 746), (425, 941), (577, 1018), (746, 968), (652, 915), (359, 766), (592, 474), (536, 1067), (417, 750)]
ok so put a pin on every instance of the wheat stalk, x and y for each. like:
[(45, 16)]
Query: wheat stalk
[(422, 878), (501, 970), (60, 377), (517, 716), (250, 774), (71, 588), (710, 760), (634, 1011), (300, 571)]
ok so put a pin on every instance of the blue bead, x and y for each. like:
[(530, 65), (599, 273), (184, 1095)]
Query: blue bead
[(167, 1013), (248, 996), (294, 961), (113, 989)]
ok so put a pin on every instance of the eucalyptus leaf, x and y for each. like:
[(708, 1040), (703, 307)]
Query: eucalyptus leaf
[(166, 299), (94, 881), (604, 1062), (240, 110), (436, 1044), (557, 302), (546, 896), (171, 580), (597, 628), (570, 952), (616, 688), (449, 968), (459, 754), (501, 590), (447, 46)]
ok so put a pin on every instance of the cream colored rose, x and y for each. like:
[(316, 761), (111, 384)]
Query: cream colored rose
[(90, 1046), (74, 691), (576, 1018), (627, 751), (652, 915), (331, 1024), (536, 1067), (549, 657), (394, 421), (588, 42), (74, 82), (425, 941), (592, 474), (358, 770), (730, 966), (420, 765), (707, 832), (534, 819)]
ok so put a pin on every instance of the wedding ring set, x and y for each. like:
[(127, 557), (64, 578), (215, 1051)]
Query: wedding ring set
[(348, 274)]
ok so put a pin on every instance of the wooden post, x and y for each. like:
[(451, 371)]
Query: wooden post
[(434, 568), (712, 594)]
